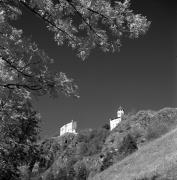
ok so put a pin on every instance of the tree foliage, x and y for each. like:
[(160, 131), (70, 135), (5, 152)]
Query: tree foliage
[(19, 128), (24, 67), (81, 24), (84, 24)]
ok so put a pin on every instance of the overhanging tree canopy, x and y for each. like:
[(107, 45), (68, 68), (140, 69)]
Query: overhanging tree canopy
[(81, 24)]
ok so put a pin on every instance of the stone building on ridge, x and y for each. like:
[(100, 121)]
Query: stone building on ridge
[(117, 120), (69, 128)]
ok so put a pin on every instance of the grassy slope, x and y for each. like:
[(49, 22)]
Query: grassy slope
[(157, 158)]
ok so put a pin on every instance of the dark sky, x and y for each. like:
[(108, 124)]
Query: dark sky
[(143, 75)]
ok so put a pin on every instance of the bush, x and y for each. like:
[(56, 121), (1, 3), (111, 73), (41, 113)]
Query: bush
[(91, 142), (122, 145), (81, 149), (156, 130), (107, 161), (128, 145), (61, 175), (162, 122), (80, 171), (50, 176)]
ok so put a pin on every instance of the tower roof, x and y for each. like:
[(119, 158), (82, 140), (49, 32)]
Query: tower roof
[(120, 108)]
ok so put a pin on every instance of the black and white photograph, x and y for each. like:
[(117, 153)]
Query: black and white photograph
[(88, 90)]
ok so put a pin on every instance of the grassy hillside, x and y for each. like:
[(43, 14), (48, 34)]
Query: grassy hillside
[(155, 161), (82, 156)]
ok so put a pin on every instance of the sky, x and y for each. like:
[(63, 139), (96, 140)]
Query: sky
[(142, 76)]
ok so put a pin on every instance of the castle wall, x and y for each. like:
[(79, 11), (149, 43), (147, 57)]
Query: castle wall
[(68, 128), (114, 123)]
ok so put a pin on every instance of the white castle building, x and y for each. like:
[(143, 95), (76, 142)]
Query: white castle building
[(69, 128), (117, 120)]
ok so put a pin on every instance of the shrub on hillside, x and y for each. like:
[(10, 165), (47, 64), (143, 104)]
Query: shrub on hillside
[(81, 148), (139, 134), (107, 160), (90, 164), (50, 176), (162, 122), (62, 170), (81, 172), (155, 130), (61, 174), (46, 154), (128, 145), (125, 145), (90, 142)]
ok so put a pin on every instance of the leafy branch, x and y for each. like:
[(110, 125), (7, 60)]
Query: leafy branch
[(85, 21), (45, 19)]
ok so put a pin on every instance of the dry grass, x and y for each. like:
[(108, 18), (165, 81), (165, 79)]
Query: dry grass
[(155, 161)]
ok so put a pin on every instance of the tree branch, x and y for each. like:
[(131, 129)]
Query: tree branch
[(45, 19), (14, 67), (81, 16), (96, 12), (13, 85)]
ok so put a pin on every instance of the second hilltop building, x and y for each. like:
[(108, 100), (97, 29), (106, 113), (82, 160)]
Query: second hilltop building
[(117, 120)]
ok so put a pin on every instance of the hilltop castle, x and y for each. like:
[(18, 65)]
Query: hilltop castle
[(72, 126), (117, 120)]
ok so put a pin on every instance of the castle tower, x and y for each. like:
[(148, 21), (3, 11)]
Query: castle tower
[(120, 112), (117, 120)]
